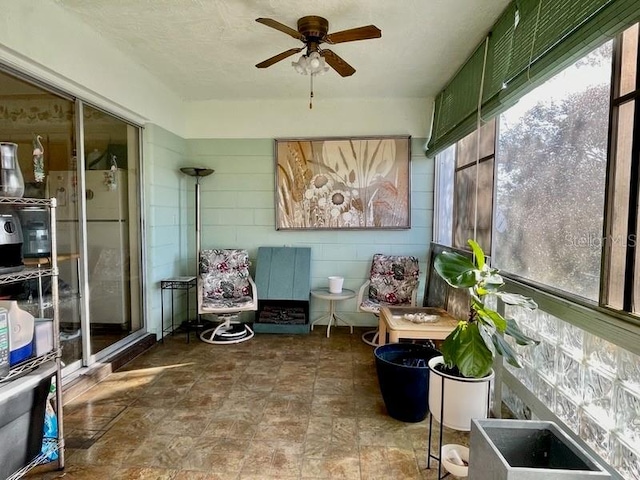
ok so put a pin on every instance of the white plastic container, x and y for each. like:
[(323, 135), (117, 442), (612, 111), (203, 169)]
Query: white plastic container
[(21, 329), (4, 342), (335, 284), (43, 340)]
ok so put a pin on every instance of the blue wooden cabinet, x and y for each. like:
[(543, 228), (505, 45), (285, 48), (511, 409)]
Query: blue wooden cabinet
[(283, 277)]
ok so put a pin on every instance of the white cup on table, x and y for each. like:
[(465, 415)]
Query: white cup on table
[(335, 284)]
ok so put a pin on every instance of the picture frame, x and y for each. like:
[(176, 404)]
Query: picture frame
[(351, 183)]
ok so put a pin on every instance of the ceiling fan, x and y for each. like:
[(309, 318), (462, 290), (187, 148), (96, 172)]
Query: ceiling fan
[(313, 31)]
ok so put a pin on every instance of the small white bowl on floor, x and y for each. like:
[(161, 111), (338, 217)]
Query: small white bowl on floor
[(450, 456)]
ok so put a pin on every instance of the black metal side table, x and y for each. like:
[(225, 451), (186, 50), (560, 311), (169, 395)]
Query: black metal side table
[(173, 284)]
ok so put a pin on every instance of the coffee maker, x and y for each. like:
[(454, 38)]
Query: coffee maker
[(35, 231), (10, 243)]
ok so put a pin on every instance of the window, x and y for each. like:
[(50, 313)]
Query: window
[(473, 200), (464, 174), (551, 169), (565, 221), (443, 210), (622, 276)]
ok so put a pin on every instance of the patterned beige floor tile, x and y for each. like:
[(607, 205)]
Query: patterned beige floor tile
[(222, 456), (194, 475), (106, 451), (334, 405), (285, 407), (282, 429), (137, 473), (231, 428), (388, 462), (334, 386), (157, 450), (77, 472), (273, 461), (333, 466)]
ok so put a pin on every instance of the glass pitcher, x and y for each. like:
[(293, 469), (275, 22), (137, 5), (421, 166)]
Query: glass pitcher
[(11, 181)]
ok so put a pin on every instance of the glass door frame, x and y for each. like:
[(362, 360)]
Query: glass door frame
[(88, 356)]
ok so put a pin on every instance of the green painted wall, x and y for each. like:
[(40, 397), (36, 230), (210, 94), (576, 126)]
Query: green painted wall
[(238, 212), (165, 210)]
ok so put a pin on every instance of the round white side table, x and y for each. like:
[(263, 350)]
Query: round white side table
[(324, 294)]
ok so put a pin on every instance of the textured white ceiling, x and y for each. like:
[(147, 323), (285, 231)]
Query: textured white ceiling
[(207, 49)]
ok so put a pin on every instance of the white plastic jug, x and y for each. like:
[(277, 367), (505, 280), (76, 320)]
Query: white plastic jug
[(21, 328)]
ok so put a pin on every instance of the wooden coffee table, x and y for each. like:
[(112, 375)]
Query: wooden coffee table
[(392, 322)]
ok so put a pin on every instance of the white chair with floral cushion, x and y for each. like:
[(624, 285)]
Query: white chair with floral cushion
[(393, 281), (226, 289)]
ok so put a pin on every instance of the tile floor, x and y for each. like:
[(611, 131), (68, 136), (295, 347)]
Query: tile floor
[(275, 407)]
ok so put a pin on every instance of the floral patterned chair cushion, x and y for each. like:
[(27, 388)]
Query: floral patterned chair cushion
[(225, 280), (393, 281)]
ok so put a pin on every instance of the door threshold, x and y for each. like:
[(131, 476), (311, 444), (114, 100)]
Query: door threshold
[(83, 379)]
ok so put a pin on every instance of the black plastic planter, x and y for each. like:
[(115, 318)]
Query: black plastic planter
[(403, 375)]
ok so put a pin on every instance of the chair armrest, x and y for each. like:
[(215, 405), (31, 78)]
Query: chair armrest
[(199, 293), (414, 296), (254, 293), (364, 291)]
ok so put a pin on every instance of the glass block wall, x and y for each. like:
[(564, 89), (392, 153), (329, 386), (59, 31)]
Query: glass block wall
[(591, 385)]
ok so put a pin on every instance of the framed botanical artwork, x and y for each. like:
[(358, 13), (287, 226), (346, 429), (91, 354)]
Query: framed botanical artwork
[(343, 183)]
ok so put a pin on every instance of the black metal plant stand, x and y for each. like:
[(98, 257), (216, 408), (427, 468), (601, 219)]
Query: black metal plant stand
[(437, 457), (172, 284)]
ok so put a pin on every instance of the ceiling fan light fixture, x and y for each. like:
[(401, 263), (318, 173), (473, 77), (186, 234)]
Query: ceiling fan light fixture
[(312, 64), (301, 65), (314, 61)]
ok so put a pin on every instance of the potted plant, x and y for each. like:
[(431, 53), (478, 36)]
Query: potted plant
[(468, 352)]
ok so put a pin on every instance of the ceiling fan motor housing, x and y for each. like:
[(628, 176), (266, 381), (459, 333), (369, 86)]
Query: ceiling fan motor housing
[(313, 27)]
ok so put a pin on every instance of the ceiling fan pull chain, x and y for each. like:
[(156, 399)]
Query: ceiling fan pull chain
[(311, 92)]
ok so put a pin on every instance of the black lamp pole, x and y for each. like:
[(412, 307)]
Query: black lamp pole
[(197, 172)]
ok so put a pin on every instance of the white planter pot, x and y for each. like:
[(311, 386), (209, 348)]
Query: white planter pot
[(464, 398)]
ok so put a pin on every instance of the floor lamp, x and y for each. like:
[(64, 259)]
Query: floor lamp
[(198, 173)]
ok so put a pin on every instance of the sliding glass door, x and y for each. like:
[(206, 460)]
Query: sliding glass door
[(110, 220), (89, 161)]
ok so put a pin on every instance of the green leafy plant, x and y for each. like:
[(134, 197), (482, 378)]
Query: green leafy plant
[(475, 341)]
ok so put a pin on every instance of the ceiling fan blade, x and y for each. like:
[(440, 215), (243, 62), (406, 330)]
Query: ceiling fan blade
[(276, 58), (337, 63), (353, 34), (282, 27)]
